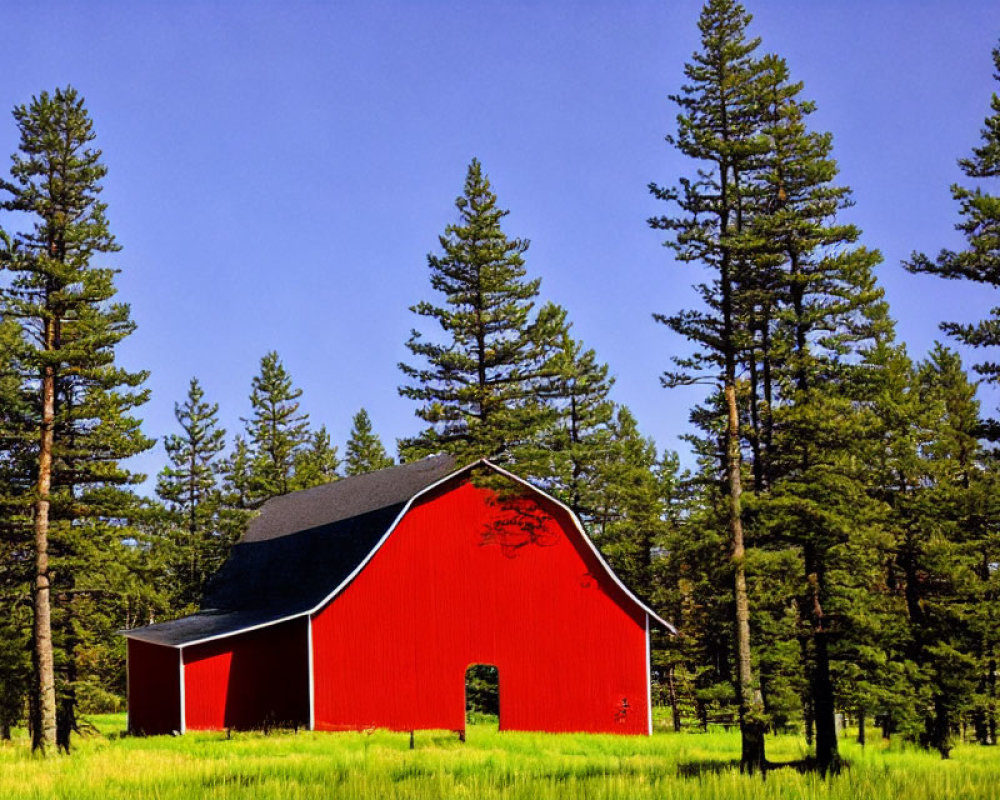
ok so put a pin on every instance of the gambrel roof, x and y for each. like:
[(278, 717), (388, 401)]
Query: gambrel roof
[(303, 548)]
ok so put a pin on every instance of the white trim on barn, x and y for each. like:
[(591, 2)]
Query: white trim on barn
[(586, 538), (649, 683), (312, 674), (395, 523), (181, 694)]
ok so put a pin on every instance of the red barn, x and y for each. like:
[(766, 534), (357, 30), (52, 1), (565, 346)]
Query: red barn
[(362, 603)]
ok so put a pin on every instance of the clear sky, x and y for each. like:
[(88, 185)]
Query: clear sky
[(279, 171)]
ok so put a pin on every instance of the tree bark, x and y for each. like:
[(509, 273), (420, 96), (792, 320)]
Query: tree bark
[(827, 754), (66, 723), (808, 717), (940, 728), (44, 736), (750, 702), (821, 684), (675, 710), (861, 727)]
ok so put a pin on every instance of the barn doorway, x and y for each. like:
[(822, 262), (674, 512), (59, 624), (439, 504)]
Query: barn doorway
[(482, 695)]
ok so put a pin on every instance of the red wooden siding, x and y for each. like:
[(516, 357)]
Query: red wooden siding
[(249, 680), (462, 581), (154, 693)]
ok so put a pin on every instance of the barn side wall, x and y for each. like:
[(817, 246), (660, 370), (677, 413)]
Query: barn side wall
[(154, 694), (253, 680), (468, 579)]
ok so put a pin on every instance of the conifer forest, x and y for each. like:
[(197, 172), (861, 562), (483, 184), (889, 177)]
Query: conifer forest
[(829, 552)]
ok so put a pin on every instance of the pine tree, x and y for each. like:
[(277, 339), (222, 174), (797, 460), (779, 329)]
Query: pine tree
[(317, 462), (81, 399), (581, 438), (718, 125), (697, 594), (980, 225), (237, 500), (479, 387), (942, 519), (669, 659), (237, 475), (189, 485), (277, 432), (816, 308), (365, 451), (627, 520), (961, 495)]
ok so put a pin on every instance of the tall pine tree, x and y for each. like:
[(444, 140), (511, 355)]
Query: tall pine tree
[(478, 383), (718, 126), (815, 310), (81, 399)]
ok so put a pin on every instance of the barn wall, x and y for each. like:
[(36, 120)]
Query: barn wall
[(154, 695), (248, 681), (460, 581)]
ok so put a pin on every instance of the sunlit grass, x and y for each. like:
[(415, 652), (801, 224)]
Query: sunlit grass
[(379, 764)]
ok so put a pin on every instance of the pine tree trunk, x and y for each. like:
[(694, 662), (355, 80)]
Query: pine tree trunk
[(940, 729), (887, 726), (755, 436), (807, 696), (674, 708), (991, 715), (750, 705), (66, 724), (44, 735), (820, 683), (861, 727), (34, 713), (827, 755)]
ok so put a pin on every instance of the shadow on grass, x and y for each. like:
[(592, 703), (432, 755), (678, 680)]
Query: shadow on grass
[(696, 769)]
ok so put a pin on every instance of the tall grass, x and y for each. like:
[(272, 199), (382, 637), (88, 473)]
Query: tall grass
[(286, 766)]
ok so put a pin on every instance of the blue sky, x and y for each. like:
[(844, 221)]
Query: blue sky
[(279, 171)]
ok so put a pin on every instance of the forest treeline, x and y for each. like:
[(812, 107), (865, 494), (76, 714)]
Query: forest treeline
[(835, 550)]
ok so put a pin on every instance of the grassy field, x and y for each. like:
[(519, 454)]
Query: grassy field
[(286, 765)]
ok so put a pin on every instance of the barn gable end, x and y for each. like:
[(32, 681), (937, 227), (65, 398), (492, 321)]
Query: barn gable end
[(469, 578), (368, 598)]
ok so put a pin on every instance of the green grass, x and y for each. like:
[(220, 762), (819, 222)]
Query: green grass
[(286, 766)]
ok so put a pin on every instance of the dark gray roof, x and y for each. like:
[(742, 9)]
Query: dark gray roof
[(299, 549), (199, 626), (345, 498)]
